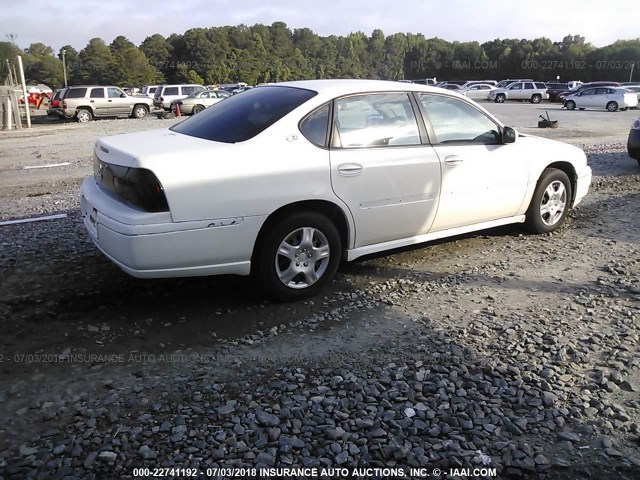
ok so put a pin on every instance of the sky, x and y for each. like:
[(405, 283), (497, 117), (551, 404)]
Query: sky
[(75, 22)]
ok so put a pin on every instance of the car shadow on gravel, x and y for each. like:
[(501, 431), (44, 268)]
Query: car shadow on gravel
[(610, 164)]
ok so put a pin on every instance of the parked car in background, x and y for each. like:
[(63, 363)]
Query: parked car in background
[(554, 89), (507, 82), (372, 179), (478, 91), (241, 89), (470, 83), (586, 86), (451, 86), (197, 102), (633, 141), (55, 103), (534, 92), (634, 88), (611, 98), (148, 90), (165, 94), (88, 101)]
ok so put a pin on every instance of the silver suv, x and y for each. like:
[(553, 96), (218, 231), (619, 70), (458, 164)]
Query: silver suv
[(165, 94), (88, 101)]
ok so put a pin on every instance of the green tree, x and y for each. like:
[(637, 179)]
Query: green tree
[(98, 64)]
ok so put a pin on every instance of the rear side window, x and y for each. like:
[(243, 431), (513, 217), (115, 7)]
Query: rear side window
[(315, 126), (242, 117), (541, 85), (76, 93), (191, 89), (170, 91)]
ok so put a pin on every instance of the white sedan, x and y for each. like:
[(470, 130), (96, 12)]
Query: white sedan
[(286, 180), (611, 98), (478, 91)]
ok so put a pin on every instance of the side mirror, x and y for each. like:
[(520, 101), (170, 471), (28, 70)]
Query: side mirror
[(509, 135), (123, 95)]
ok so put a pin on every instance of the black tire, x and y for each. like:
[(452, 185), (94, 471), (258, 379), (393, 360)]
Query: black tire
[(500, 98), (549, 220), (571, 105), (537, 98), (140, 111), (269, 266), (612, 106), (197, 109), (582, 108), (84, 115)]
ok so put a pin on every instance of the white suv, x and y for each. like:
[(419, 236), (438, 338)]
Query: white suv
[(165, 94), (535, 92)]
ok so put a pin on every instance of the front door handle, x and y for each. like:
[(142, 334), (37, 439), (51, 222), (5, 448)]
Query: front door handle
[(350, 169), (452, 160)]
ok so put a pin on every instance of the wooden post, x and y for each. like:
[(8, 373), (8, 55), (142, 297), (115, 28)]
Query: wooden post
[(24, 90)]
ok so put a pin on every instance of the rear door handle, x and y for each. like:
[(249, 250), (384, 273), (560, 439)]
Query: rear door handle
[(350, 169), (452, 160)]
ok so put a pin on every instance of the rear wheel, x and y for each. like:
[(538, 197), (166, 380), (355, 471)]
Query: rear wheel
[(500, 98), (298, 256), (537, 98), (612, 106), (84, 115), (550, 203), (571, 105), (197, 109), (140, 111)]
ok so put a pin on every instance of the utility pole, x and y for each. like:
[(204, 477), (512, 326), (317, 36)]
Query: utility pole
[(633, 64), (64, 67)]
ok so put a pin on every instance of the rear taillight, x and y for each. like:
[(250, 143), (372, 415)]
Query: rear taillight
[(162, 99), (64, 104), (137, 187)]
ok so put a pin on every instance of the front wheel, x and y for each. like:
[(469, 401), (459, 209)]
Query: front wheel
[(571, 105), (500, 98), (140, 111), (612, 106), (550, 202), (536, 98), (298, 256)]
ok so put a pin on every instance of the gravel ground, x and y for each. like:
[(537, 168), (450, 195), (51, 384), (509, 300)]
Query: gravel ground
[(499, 349)]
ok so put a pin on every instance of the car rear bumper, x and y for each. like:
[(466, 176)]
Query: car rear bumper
[(582, 185), (150, 245), (633, 143)]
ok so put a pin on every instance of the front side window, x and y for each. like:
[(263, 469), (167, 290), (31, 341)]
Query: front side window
[(516, 86), (455, 120), (315, 126), (376, 120), (242, 117), (113, 92), (97, 93)]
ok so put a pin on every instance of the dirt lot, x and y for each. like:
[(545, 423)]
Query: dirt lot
[(500, 349)]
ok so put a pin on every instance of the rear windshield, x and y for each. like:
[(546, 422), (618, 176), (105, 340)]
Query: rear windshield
[(244, 116)]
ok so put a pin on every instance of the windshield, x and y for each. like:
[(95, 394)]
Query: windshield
[(242, 117)]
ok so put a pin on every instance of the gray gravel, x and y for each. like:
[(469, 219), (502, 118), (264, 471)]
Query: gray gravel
[(500, 350)]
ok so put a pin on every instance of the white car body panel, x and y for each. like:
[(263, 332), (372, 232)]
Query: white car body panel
[(221, 194), (596, 98)]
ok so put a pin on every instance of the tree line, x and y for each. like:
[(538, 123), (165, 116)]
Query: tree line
[(262, 53)]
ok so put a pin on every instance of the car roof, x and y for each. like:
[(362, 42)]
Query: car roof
[(338, 87)]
